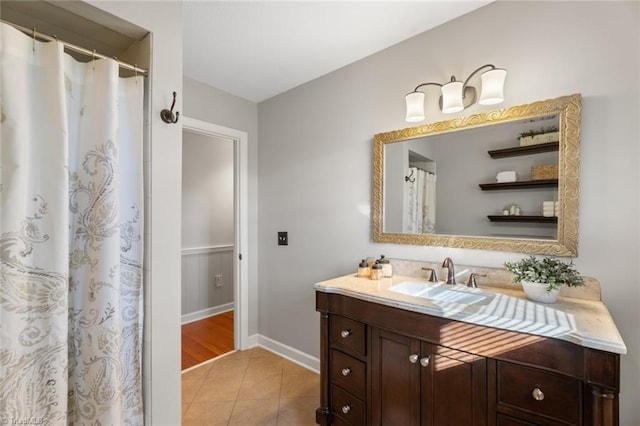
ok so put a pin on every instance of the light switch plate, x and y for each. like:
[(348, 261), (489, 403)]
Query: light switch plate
[(283, 238)]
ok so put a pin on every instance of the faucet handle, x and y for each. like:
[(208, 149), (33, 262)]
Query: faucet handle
[(472, 279), (432, 275)]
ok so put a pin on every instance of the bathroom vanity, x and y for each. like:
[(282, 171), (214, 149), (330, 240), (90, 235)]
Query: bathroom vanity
[(402, 351), (392, 358)]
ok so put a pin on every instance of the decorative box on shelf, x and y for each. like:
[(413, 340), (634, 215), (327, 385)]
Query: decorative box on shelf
[(540, 138), (547, 171)]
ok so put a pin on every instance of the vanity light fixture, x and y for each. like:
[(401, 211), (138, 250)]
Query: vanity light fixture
[(456, 95)]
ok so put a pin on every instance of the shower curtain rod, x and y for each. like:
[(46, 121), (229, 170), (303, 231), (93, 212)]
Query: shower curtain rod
[(91, 53)]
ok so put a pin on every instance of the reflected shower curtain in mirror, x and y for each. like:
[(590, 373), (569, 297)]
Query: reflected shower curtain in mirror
[(420, 217), (71, 249)]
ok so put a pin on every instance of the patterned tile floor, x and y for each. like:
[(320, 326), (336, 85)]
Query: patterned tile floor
[(252, 387)]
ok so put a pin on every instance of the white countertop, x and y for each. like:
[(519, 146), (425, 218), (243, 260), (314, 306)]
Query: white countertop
[(583, 322)]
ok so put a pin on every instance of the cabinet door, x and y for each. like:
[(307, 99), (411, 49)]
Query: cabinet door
[(395, 379), (453, 388)]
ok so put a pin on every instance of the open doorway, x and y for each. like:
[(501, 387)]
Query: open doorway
[(214, 278)]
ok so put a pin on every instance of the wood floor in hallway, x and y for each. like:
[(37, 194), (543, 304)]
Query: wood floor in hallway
[(206, 339)]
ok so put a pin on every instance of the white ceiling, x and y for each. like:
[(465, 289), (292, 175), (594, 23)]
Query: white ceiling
[(258, 49)]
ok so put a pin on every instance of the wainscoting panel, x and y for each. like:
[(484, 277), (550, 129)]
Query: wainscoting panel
[(207, 278)]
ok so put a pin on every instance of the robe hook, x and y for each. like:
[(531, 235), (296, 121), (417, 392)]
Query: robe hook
[(167, 115), (409, 178)]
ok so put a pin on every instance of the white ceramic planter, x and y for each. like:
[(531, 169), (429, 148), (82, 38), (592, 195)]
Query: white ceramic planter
[(538, 292)]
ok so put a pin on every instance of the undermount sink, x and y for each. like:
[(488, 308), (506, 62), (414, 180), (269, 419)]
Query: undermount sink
[(441, 292)]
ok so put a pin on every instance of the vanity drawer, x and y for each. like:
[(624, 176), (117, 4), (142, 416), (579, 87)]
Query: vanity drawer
[(348, 372), (348, 335), (510, 421), (346, 406), (539, 392)]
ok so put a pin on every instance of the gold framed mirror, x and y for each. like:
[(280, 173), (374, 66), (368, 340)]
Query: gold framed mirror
[(503, 180)]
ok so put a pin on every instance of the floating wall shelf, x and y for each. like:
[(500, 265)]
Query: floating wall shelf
[(542, 183), (524, 150), (534, 219)]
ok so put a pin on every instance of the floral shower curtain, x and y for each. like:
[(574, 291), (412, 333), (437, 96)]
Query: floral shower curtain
[(420, 215), (71, 194)]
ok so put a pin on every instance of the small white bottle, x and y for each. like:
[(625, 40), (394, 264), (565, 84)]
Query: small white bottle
[(387, 269), (363, 269), (376, 271)]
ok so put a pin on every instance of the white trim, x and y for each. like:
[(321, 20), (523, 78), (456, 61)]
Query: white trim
[(206, 249), (252, 341), (206, 313), (292, 354), (186, 370), (241, 268)]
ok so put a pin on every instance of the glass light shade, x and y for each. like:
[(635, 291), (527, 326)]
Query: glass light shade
[(415, 106), (492, 87), (452, 97)]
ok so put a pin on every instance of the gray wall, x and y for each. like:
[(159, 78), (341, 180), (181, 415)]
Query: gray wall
[(208, 104), (207, 191), (207, 225), (315, 155), (396, 163)]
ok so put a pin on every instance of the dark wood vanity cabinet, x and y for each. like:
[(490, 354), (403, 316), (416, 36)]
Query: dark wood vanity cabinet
[(347, 369), (387, 366), (538, 396), (415, 383)]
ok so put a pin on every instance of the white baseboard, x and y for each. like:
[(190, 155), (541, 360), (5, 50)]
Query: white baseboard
[(294, 355), (252, 341), (206, 313)]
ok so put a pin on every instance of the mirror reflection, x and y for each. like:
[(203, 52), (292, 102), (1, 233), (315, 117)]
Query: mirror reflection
[(432, 184), (505, 180)]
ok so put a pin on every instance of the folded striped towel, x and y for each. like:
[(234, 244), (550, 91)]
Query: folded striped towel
[(508, 176)]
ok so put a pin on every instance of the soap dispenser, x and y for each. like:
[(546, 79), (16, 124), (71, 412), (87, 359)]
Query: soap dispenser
[(363, 269), (387, 269), (376, 271)]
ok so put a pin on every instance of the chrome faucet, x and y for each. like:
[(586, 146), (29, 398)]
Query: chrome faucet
[(451, 275)]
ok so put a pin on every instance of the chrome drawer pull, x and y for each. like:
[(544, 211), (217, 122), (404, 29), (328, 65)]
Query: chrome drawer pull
[(346, 371), (413, 358), (425, 361), (346, 409), (537, 394), (345, 333)]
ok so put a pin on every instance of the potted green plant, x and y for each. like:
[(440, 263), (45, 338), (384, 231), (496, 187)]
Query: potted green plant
[(542, 278), (542, 135)]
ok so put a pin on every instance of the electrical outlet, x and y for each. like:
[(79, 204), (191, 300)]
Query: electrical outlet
[(218, 280), (283, 238)]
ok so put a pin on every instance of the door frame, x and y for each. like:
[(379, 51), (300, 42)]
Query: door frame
[(241, 221)]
